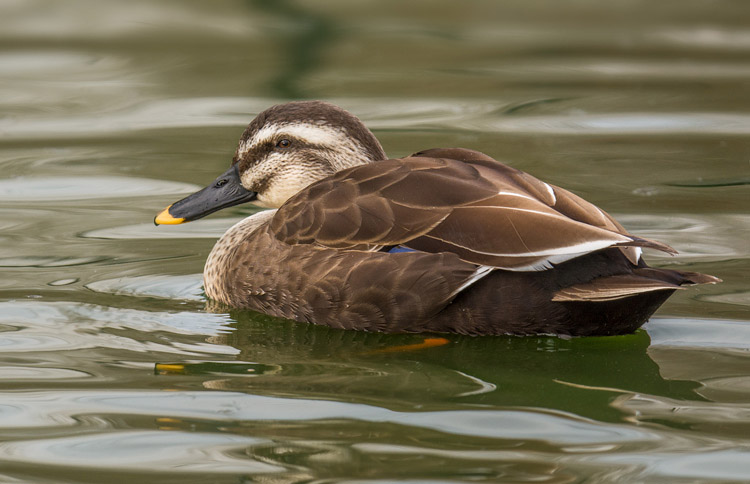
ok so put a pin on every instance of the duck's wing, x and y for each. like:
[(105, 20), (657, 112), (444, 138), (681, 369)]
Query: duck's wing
[(451, 200), (561, 200)]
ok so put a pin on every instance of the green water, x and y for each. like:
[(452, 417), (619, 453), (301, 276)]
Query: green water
[(110, 110)]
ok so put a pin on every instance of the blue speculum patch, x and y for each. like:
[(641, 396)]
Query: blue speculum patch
[(399, 248)]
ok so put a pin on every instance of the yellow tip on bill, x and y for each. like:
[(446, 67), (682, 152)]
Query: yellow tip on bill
[(164, 218)]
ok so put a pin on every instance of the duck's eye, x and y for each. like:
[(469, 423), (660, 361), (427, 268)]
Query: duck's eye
[(221, 183), (283, 143)]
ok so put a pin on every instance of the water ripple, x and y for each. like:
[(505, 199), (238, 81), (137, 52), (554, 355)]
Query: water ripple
[(451, 115), (42, 261), (162, 286), (39, 374), (543, 425), (183, 452), (66, 326), (698, 333), (202, 430), (211, 228), (45, 189), (705, 237), (714, 465)]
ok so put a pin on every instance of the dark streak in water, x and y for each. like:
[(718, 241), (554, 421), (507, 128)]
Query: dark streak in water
[(711, 183), (520, 107), (303, 45)]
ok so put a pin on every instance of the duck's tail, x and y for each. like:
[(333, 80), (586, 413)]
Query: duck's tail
[(641, 280)]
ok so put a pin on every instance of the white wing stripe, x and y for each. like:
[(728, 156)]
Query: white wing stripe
[(546, 214), (543, 264), (551, 193), (478, 274)]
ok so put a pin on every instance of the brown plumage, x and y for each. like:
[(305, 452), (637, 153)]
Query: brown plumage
[(444, 240)]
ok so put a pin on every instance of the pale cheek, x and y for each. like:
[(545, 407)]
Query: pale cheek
[(252, 177), (283, 177)]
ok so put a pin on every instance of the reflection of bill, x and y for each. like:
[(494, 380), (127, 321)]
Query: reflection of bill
[(214, 368)]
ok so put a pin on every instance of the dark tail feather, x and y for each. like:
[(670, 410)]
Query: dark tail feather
[(698, 278), (680, 278), (646, 279)]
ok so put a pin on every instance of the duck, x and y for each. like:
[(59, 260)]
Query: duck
[(447, 240)]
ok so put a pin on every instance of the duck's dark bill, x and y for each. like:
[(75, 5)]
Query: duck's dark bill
[(225, 191)]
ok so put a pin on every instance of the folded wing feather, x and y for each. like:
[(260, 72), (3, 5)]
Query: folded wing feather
[(453, 200)]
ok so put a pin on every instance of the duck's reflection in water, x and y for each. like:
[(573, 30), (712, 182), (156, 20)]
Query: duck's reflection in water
[(421, 372)]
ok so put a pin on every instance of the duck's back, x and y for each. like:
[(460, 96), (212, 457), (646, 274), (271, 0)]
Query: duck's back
[(452, 200)]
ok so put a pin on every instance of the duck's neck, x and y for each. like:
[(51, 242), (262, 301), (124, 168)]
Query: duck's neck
[(220, 256)]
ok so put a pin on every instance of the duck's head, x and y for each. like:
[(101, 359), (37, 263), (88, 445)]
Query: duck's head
[(283, 150)]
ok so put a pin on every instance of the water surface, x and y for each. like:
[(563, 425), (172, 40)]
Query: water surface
[(112, 369)]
